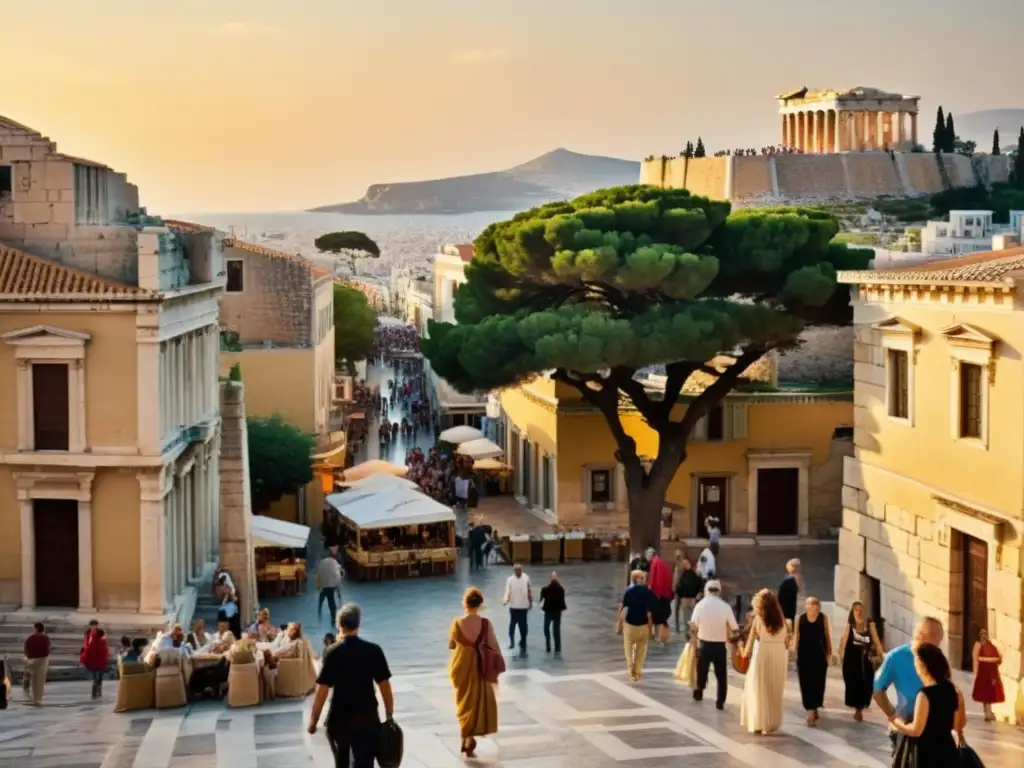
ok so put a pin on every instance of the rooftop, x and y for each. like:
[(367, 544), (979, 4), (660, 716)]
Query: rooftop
[(273, 253), (25, 277), (848, 94), (187, 227), (989, 268)]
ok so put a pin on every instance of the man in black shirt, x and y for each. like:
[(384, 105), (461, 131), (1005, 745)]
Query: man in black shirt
[(552, 602), (350, 669)]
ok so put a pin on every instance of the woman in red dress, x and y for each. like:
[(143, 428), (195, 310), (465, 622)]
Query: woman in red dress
[(988, 688)]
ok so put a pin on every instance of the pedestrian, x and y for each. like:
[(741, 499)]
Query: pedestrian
[(636, 622), (95, 658), (899, 671), (938, 711), (860, 651), (789, 592), (706, 565), (230, 612), (714, 528), (473, 668), (689, 585), (714, 623), (519, 599), (552, 602), (350, 669), (461, 490), (765, 682), (329, 639), (812, 640), (988, 687), (659, 581), (37, 659), (328, 581)]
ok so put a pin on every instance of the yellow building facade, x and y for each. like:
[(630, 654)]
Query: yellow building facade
[(765, 464), (933, 498)]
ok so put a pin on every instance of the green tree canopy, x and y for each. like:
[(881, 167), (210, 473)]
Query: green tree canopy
[(699, 150), (595, 289), (995, 142), (354, 324), (279, 459), (350, 244), (939, 132)]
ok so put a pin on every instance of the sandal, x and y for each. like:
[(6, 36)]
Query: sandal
[(858, 716), (470, 748)]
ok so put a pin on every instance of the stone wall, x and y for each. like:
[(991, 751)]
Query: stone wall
[(701, 175), (826, 496), (236, 552), (824, 356), (804, 177), (872, 175), (752, 175)]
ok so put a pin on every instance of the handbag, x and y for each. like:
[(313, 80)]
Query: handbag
[(686, 669), (739, 662), (492, 663), (968, 758), (390, 745)]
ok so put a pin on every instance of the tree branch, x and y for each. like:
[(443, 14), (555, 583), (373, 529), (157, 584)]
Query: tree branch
[(717, 390), (676, 375), (623, 379), (606, 400)]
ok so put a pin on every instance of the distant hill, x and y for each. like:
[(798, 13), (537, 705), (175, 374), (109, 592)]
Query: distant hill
[(978, 126), (556, 175)]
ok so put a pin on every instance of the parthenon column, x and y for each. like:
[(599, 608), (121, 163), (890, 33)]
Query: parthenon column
[(913, 128), (785, 130), (898, 129), (837, 138)]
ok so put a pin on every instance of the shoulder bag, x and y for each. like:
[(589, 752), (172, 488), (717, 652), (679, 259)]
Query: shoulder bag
[(492, 663)]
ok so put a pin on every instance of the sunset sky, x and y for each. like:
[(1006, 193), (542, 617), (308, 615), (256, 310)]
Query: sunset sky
[(259, 105)]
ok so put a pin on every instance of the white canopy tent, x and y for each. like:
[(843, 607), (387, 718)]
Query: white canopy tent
[(480, 449), (375, 483), (270, 532), (461, 434), (393, 508)]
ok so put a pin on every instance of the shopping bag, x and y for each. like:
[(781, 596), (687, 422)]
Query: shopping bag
[(968, 757), (686, 669), (391, 745)]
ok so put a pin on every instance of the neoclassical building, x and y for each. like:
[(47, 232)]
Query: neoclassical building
[(854, 120), (109, 400)]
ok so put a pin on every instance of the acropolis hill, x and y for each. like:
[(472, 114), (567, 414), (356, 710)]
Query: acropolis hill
[(835, 145)]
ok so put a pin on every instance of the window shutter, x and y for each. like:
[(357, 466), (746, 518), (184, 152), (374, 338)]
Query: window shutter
[(737, 420)]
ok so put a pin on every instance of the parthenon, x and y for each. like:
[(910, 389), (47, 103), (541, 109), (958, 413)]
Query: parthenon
[(854, 120)]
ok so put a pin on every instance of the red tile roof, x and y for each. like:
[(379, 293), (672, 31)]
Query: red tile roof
[(988, 267), (26, 277), (465, 252), (272, 253)]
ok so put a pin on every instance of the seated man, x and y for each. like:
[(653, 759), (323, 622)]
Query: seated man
[(174, 641), (222, 641)]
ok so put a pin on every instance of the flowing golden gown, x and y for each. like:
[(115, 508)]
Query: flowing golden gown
[(475, 700)]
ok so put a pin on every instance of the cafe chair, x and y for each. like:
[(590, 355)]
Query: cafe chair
[(290, 579), (137, 687), (244, 684), (169, 685), (296, 672)]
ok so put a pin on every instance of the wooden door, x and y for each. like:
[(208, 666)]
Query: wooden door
[(711, 502), (778, 502), (50, 414), (975, 594), (56, 532)]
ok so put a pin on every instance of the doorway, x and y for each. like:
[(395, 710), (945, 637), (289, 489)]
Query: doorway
[(711, 502), (56, 532), (975, 554), (778, 501)]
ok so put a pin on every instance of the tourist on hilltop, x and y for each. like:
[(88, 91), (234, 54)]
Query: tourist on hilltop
[(636, 622), (899, 671), (659, 581), (37, 659), (714, 624), (552, 602), (350, 669), (860, 650), (328, 580), (519, 599), (988, 687), (95, 657), (473, 668), (812, 640), (789, 591), (938, 711), (765, 683), (688, 586)]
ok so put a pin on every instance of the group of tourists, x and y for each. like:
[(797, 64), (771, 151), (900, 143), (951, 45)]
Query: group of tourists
[(444, 478), (775, 149), (394, 338)]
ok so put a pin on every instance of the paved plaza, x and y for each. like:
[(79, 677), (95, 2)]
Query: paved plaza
[(579, 710)]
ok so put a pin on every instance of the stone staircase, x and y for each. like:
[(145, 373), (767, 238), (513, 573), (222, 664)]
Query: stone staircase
[(66, 642)]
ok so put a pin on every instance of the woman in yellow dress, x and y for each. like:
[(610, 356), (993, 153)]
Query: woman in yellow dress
[(475, 700)]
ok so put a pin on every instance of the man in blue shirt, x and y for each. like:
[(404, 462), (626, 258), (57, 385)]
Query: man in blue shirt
[(898, 670), (636, 622)]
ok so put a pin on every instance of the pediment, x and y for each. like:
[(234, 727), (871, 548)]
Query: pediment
[(897, 326), (968, 335), (45, 334)]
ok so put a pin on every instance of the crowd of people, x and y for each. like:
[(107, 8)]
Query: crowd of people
[(774, 149), (444, 478), (393, 338)]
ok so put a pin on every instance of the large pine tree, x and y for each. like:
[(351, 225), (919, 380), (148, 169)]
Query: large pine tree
[(939, 134), (995, 142), (1017, 175)]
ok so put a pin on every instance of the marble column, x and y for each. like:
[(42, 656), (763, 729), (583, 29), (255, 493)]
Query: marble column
[(188, 499), (913, 128), (880, 119), (870, 126), (838, 136), (152, 548), (28, 553), (85, 596), (785, 130), (815, 128), (792, 130)]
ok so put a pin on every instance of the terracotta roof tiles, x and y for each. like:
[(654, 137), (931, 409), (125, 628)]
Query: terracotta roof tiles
[(187, 227), (272, 253), (991, 267), (26, 277)]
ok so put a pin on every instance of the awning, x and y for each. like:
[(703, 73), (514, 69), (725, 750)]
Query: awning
[(460, 434), (480, 449), (369, 486), (392, 508), (373, 467), (485, 464), (270, 532)]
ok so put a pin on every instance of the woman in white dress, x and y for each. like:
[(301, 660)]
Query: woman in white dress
[(761, 709)]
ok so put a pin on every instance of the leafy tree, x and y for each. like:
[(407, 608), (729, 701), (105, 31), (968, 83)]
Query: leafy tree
[(596, 289), (1017, 175), (700, 151), (950, 135), (354, 324), (995, 142), (351, 244), (939, 134), (279, 460)]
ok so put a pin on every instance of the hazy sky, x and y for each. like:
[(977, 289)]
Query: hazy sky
[(232, 105)]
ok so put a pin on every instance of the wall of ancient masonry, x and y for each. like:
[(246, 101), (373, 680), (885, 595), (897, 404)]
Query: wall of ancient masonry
[(275, 304), (236, 552), (825, 356)]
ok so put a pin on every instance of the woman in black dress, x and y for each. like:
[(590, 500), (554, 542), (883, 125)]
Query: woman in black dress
[(813, 642), (789, 592), (938, 711), (860, 648)]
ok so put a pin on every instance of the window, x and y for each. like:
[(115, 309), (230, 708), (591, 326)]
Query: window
[(235, 272), (716, 424), (50, 414), (971, 378), (600, 486), (6, 182), (898, 383)]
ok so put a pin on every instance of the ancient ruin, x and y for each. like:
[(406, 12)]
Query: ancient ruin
[(855, 120)]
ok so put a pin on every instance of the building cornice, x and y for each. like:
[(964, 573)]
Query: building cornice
[(748, 398), (989, 295)]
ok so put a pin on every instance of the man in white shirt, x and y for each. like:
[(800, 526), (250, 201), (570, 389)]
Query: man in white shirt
[(519, 599), (713, 623)]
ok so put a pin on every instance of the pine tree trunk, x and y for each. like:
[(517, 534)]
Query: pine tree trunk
[(646, 491), (645, 505)]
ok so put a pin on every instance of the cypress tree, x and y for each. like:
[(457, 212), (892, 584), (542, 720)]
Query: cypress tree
[(700, 151), (1018, 161), (950, 145), (688, 152), (995, 142), (939, 134)]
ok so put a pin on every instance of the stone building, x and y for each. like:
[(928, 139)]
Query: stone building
[(109, 409), (854, 120), (933, 497)]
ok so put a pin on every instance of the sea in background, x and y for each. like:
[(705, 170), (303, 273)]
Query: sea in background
[(403, 240)]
